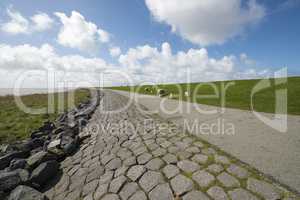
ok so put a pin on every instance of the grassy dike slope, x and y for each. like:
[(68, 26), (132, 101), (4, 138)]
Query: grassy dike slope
[(16, 124), (237, 95)]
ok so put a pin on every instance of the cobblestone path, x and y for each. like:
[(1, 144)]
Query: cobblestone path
[(153, 160)]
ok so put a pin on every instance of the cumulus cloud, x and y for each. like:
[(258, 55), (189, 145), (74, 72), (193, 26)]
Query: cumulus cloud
[(150, 63), (45, 57), (78, 33), (18, 24), (17, 60), (42, 22), (207, 22), (141, 64), (115, 51)]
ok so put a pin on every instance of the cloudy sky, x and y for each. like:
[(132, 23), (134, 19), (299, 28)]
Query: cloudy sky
[(145, 41)]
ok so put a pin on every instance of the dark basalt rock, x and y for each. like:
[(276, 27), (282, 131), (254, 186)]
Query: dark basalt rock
[(17, 164), (35, 143), (62, 117), (71, 146), (23, 192), (38, 134), (46, 146), (47, 127), (40, 157), (58, 130), (44, 172), (5, 160), (10, 180), (5, 148)]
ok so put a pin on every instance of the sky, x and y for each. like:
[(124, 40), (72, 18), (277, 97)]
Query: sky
[(114, 42)]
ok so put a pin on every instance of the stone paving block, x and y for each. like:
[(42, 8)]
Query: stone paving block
[(61, 196), (94, 166), (111, 197), (139, 195), (136, 172), (130, 161), (188, 140), (140, 151), (90, 187), (188, 166), (209, 151), (181, 145), (149, 141), (170, 158), (95, 174), (105, 159), (89, 197), (166, 144), (215, 168), (150, 179), (153, 146), (74, 195), (101, 191), (161, 192), (179, 163), (199, 144), (106, 177), (222, 160), (73, 170), (181, 184), (123, 154), (193, 150), (114, 164), (203, 178), (173, 149), (155, 164), (159, 152), (76, 182), (200, 158), (238, 171), (121, 171), (239, 193), (128, 190), (228, 180), (217, 193), (183, 155), (195, 195), (170, 171), (263, 188), (144, 158)]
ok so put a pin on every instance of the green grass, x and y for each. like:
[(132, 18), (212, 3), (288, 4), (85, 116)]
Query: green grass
[(16, 124), (237, 95)]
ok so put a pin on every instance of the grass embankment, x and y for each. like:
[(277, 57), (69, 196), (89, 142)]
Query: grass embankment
[(236, 96), (15, 124)]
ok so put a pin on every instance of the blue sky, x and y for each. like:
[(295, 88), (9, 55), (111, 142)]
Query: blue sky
[(267, 37)]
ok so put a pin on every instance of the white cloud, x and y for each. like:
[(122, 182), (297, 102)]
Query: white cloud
[(18, 24), (17, 60), (206, 22), (45, 57), (150, 64), (115, 51), (42, 22), (78, 33), (141, 64)]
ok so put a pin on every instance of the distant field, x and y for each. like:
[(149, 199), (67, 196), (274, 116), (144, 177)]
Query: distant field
[(237, 96), (16, 124)]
